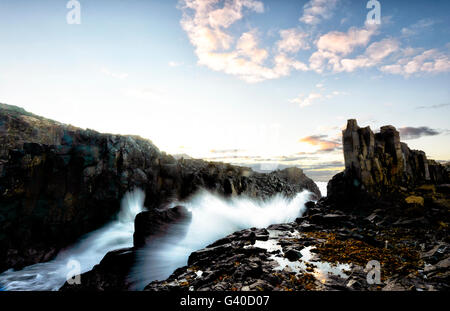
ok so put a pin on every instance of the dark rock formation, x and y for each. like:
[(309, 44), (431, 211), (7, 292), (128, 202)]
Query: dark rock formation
[(410, 259), (414, 253), (379, 167), (380, 163), (391, 204), (58, 182), (156, 223), (111, 274)]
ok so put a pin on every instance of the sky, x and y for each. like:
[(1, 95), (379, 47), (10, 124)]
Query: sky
[(267, 84)]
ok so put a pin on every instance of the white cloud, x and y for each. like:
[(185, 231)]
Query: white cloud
[(292, 40), (175, 64), (417, 27), (430, 61), (373, 55), (305, 101), (206, 26), (247, 46), (313, 98), (381, 49), (114, 75), (316, 10), (344, 43), (334, 45)]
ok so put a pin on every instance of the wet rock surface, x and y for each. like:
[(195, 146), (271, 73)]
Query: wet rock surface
[(330, 246), (58, 182), (112, 273), (390, 205), (310, 254), (154, 223)]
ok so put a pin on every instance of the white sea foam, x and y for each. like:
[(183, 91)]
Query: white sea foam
[(213, 217), (89, 251)]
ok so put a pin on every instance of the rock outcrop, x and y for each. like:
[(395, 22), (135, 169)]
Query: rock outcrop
[(153, 223), (112, 273), (380, 163), (324, 250), (391, 204), (58, 182)]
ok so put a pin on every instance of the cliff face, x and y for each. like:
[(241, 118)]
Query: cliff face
[(58, 182), (380, 163), (391, 204)]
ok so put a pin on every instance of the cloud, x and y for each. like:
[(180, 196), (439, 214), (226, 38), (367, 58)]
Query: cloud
[(247, 46), (430, 61), (115, 75), (226, 151), (379, 50), (434, 106), (211, 27), (334, 45), (314, 97), (316, 10), (207, 28), (292, 40), (308, 100), (417, 132), (418, 27), (324, 142), (175, 64), (344, 43), (373, 55)]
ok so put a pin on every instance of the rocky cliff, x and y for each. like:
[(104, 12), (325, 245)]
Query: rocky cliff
[(381, 163), (58, 182), (391, 205)]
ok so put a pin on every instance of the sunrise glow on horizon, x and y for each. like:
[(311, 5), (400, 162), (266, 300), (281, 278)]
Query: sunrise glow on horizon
[(242, 81)]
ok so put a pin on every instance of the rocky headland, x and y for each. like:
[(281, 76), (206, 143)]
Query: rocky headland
[(58, 182), (390, 205)]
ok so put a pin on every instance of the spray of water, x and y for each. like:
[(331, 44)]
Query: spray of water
[(213, 217), (322, 187), (88, 251)]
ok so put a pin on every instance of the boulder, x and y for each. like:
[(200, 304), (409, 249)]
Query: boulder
[(110, 274), (157, 223), (292, 255)]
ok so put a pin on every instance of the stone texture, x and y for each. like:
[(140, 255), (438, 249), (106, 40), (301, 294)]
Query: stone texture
[(58, 182), (407, 233), (156, 222), (381, 163)]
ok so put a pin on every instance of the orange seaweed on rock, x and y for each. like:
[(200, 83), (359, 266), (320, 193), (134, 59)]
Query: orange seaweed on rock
[(397, 260)]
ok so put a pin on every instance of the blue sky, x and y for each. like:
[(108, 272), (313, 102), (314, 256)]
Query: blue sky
[(244, 81)]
